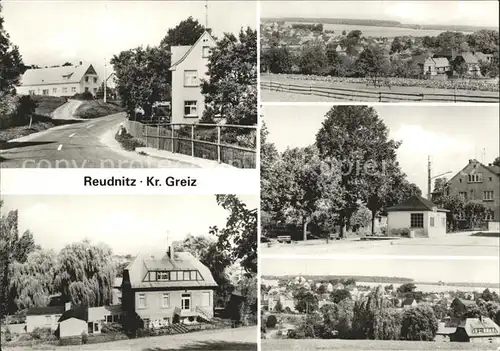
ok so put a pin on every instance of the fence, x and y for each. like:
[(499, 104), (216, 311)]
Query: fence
[(380, 96), (230, 144)]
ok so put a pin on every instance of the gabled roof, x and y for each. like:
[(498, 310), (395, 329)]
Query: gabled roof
[(56, 75), (492, 168), (78, 312), (469, 57), (441, 61), (408, 301), (484, 323), (180, 54), (48, 310), (138, 268), (414, 203)]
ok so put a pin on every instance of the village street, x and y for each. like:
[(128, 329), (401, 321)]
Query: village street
[(456, 244)]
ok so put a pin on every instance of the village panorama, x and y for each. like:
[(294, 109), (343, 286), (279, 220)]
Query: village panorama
[(323, 57)]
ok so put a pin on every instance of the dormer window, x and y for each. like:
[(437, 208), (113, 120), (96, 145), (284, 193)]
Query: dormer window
[(164, 276), (206, 52)]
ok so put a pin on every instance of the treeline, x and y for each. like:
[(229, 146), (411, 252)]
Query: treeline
[(347, 21), (364, 59), (340, 278), (230, 88), (351, 171), (311, 27)]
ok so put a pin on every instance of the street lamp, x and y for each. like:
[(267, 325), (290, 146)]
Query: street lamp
[(429, 178)]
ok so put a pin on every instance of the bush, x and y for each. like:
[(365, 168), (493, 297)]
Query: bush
[(128, 142), (271, 321), (71, 340), (7, 335), (112, 328), (83, 96), (296, 334), (43, 334)]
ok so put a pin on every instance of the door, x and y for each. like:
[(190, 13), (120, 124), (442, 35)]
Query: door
[(186, 302)]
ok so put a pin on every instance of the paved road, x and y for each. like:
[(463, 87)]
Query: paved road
[(227, 339), (66, 111), (459, 244), (81, 144)]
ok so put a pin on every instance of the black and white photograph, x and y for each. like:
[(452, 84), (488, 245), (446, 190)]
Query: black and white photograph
[(380, 304), (139, 84), (121, 272), (380, 51), (380, 180)]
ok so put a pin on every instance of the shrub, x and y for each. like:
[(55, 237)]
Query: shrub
[(271, 321), (83, 96), (7, 335), (72, 340), (288, 310), (296, 334), (85, 338), (128, 142), (112, 328), (43, 334)]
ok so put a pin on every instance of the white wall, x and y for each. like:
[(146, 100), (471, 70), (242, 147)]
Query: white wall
[(494, 226), (42, 321), (72, 327), (402, 219), (180, 93), (439, 228)]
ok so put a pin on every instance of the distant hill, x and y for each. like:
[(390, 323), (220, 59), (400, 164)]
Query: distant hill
[(379, 23), (357, 278), (464, 284)]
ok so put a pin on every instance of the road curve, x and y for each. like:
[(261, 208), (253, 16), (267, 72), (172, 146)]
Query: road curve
[(66, 111), (78, 145)]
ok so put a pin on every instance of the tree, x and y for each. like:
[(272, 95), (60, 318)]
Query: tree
[(24, 246), (269, 157), (230, 89), (487, 295), (312, 59), (339, 317), (11, 63), (86, 273), (66, 64), (278, 59), (187, 32), (357, 139), (419, 324), (475, 212), (369, 314), (32, 282), (371, 63), (271, 321), (278, 308), (305, 301), (452, 41), (496, 161), (239, 238), (406, 288), (484, 40), (338, 295), (361, 218)]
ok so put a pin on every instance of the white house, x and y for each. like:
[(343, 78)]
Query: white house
[(60, 81), (43, 317), (418, 215), (188, 68)]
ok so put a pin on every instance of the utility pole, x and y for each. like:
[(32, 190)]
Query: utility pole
[(428, 177), (105, 82), (206, 14)]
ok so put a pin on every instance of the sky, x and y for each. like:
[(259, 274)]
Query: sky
[(53, 32), (473, 13), (423, 270), (450, 135), (128, 224)]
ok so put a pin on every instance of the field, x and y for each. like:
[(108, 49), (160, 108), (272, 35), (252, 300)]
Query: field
[(315, 344), (409, 90)]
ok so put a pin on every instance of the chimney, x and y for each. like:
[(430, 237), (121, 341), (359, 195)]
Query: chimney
[(470, 161), (67, 306), (171, 253), (81, 63)]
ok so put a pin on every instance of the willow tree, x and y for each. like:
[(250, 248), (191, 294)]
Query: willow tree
[(32, 282), (85, 273)]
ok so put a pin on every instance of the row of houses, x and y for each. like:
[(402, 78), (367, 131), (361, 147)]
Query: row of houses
[(177, 288), (189, 66)]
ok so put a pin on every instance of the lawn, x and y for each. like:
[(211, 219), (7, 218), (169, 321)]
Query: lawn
[(96, 108), (315, 344), (47, 104)]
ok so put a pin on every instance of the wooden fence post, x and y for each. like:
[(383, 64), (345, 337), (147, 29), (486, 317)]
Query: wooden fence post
[(192, 140), (158, 133), (310, 89), (455, 94), (172, 135), (379, 96), (422, 97), (146, 128), (218, 143)]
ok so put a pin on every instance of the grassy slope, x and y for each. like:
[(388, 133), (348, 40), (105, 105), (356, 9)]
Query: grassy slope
[(47, 104), (96, 108), (315, 344)]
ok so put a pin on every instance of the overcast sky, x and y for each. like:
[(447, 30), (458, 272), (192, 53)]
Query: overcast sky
[(451, 135), (474, 13), (129, 224), (424, 270), (53, 32)]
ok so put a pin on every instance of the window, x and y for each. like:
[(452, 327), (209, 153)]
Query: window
[(206, 52), (96, 327), (475, 178), (205, 299), (417, 220), (180, 276), (45, 92), (146, 322), (162, 276), (191, 78), (54, 90), (65, 90), (116, 318), (165, 301), (142, 301), (432, 221), (190, 109), (86, 79), (94, 90), (489, 216), (31, 92), (109, 319), (463, 194), (186, 275), (86, 89), (193, 275), (73, 89), (186, 301), (95, 80), (488, 195)]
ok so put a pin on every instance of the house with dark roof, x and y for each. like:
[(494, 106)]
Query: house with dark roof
[(480, 182), (175, 288), (60, 81), (421, 217), (189, 66), (477, 330), (432, 66)]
